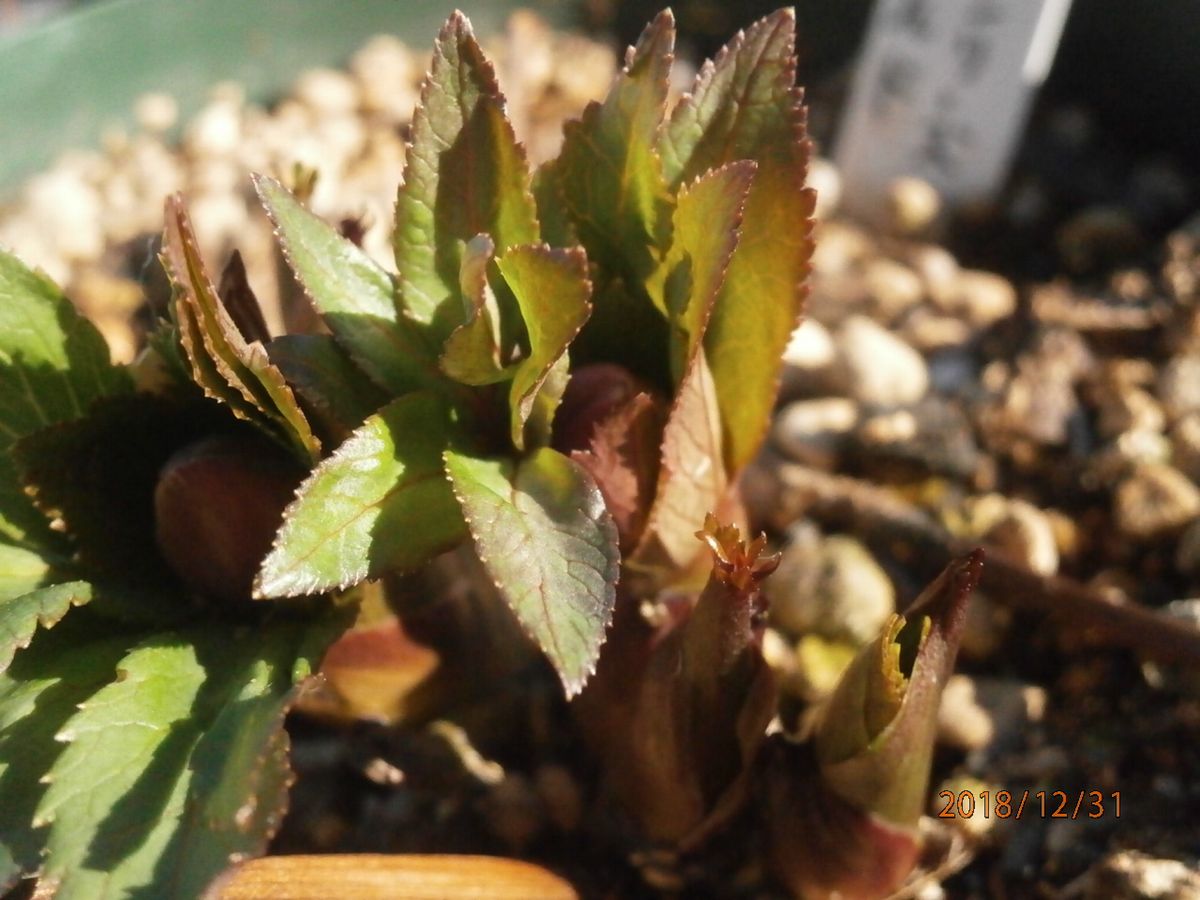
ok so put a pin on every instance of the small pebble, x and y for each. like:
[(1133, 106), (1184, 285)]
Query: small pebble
[(937, 267), (983, 298), (327, 91), (913, 205), (156, 112), (892, 287), (831, 587), (1185, 446), (877, 368), (1179, 385), (814, 431), (1133, 875), (807, 358), (839, 246), (1023, 534), (1155, 500)]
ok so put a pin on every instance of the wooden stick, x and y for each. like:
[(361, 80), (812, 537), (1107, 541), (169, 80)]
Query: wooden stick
[(878, 515)]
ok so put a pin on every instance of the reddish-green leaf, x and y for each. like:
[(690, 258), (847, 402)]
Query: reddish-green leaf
[(552, 289), (691, 479), (707, 223), (746, 106), (379, 503), (609, 173), (214, 344), (355, 296), (543, 533), (465, 174)]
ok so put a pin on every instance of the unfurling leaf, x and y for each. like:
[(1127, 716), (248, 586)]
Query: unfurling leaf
[(224, 364), (474, 352), (552, 290), (746, 106), (543, 534), (875, 740), (354, 296), (842, 812), (465, 174), (379, 503), (53, 364), (239, 299)]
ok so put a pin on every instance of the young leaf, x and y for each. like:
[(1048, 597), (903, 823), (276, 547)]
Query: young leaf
[(691, 482), (609, 173), (465, 174), (552, 288), (38, 694), (239, 299), (336, 393), (20, 616), (354, 295), (543, 533), (736, 104), (473, 352), (166, 802), (707, 223), (53, 364), (243, 366), (378, 504), (745, 106)]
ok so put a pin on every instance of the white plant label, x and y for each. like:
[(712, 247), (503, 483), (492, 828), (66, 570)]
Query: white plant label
[(942, 91)]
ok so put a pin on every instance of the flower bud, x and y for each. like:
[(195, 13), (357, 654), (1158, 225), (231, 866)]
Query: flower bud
[(842, 813), (217, 506)]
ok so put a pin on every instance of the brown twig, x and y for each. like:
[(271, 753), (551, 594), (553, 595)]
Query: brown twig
[(880, 516)]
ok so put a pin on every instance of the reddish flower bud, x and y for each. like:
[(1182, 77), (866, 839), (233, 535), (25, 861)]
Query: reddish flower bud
[(217, 506)]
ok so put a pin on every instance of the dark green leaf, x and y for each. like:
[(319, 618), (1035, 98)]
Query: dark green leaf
[(354, 295), (746, 106), (465, 174), (336, 392), (53, 364), (379, 503), (156, 790), (38, 694), (707, 222), (21, 571), (21, 616), (215, 346), (609, 173), (97, 476), (552, 288), (543, 533)]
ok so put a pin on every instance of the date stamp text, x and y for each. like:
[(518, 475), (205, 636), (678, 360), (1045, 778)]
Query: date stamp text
[(1029, 804)]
